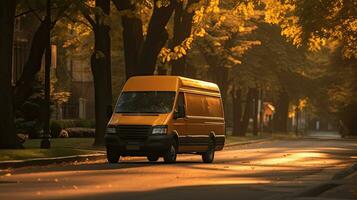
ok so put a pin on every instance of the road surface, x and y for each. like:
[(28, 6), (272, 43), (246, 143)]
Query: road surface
[(266, 170)]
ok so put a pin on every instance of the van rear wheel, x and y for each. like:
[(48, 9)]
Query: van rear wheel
[(170, 155), (152, 158), (208, 156), (113, 155)]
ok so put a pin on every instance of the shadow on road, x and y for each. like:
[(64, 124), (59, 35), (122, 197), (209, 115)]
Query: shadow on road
[(206, 192)]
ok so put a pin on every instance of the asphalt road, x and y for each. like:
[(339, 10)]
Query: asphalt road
[(266, 170)]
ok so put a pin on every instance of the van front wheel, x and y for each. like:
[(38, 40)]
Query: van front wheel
[(152, 158), (112, 155), (208, 156), (170, 155)]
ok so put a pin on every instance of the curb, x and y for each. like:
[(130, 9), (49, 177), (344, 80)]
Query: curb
[(80, 158), (48, 161), (247, 142), (333, 182), (346, 172)]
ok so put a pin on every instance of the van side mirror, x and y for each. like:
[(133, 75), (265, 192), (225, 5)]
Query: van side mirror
[(180, 112)]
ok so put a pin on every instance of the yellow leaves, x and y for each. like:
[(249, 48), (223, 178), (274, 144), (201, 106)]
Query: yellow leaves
[(234, 60), (90, 3), (243, 46), (282, 14), (217, 44), (350, 48), (75, 35), (198, 16), (316, 42), (158, 4), (60, 98), (200, 32), (302, 103), (162, 3), (245, 9), (167, 55)]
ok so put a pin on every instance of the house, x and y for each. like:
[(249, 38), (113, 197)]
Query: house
[(81, 102)]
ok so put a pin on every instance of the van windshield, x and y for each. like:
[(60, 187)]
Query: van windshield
[(145, 102)]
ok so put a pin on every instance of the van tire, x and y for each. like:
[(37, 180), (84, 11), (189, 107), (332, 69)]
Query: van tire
[(208, 156), (171, 154), (153, 158), (113, 155)]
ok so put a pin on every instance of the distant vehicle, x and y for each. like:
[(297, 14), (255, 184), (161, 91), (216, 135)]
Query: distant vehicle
[(162, 116)]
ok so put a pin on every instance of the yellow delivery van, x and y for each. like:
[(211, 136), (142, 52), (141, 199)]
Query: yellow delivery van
[(162, 116)]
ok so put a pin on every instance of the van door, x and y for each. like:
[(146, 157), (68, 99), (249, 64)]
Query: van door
[(197, 129), (179, 124)]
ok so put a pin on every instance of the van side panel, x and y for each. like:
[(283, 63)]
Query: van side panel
[(204, 118)]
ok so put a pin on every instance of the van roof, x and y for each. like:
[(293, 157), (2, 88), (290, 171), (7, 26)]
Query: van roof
[(167, 83)]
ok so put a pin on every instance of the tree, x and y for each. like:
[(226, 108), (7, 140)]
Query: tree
[(320, 25), (23, 88), (182, 30), (144, 45), (100, 65), (316, 23), (141, 53), (276, 67), (7, 126)]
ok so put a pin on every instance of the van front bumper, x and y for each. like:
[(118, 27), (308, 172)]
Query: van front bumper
[(155, 144)]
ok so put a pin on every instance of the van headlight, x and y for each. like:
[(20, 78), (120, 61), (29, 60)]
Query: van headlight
[(159, 130), (111, 130)]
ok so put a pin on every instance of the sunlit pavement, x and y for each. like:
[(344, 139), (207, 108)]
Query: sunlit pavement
[(256, 171)]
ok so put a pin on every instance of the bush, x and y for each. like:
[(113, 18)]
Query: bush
[(57, 125), (80, 132), (30, 128), (85, 123)]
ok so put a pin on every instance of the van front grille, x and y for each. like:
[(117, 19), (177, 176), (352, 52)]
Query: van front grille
[(133, 132)]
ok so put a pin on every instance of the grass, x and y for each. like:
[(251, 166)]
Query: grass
[(232, 139), (80, 143), (82, 146), (59, 147)]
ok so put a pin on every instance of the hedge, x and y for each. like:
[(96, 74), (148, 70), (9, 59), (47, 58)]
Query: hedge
[(57, 125)]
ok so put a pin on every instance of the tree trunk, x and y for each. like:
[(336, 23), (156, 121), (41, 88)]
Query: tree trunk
[(156, 38), (297, 116), (32, 66), (237, 110), (132, 37), (247, 112), (255, 111), (7, 125), (101, 70), (141, 55), (282, 112), (182, 30)]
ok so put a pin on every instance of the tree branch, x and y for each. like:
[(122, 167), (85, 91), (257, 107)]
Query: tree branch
[(34, 12)]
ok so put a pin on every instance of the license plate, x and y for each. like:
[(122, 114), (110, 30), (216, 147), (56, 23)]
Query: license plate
[(132, 147)]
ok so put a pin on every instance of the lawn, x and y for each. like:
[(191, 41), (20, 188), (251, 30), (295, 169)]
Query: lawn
[(79, 143), (59, 147), (232, 139), (74, 146)]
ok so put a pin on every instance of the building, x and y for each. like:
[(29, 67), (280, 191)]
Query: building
[(81, 101)]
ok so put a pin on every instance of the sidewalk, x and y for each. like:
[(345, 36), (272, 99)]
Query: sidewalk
[(343, 186), (347, 189)]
